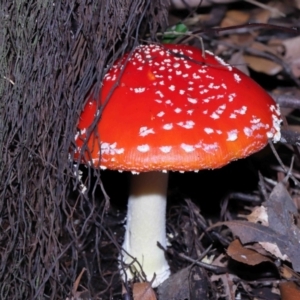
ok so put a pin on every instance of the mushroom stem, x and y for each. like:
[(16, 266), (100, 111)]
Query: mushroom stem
[(146, 225)]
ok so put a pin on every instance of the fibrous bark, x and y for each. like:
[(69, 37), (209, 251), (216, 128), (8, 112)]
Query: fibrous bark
[(52, 54)]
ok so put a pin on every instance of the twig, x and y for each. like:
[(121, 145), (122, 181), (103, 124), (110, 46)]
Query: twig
[(287, 172), (289, 101), (212, 268)]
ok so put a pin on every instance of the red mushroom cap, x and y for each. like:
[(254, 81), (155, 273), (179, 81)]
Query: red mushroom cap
[(177, 109)]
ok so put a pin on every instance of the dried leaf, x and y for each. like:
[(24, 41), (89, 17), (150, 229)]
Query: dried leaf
[(260, 64), (189, 283), (288, 273), (260, 16), (273, 249), (258, 215), (281, 232), (292, 54), (143, 291), (235, 17), (289, 291), (247, 256)]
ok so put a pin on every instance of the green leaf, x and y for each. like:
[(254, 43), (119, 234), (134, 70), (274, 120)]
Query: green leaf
[(174, 32)]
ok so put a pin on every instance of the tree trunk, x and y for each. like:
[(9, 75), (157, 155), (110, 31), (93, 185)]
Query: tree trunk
[(52, 54)]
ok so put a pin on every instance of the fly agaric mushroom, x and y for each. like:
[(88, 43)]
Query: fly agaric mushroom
[(174, 109)]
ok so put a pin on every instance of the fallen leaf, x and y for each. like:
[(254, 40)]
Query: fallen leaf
[(235, 17), (189, 283), (289, 291), (258, 215), (247, 256), (143, 291), (263, 65), (237, 60), (288, 273), (281, 233), (292, 54)]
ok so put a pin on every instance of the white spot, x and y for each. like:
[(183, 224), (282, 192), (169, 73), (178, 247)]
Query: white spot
[(107, 148), (187, 148), (160, 114), (254, 120), (161, 68), (219, 131), (232, 135), (241, 111), (187, 66), (232, 116), (237, 77), (165, 149), (139, 90), (143, 148), (177, 110), (181, 92), (208, 130), (161, 82), (145, 131), (187, 124), (158, 101), (185, 75), (161, 95), (196, 76), (190, 111), (192, 100), (231, 97), (172, 88), (202, 71), (212, 86), (214, 116), (168, 126), (204, 91), (178, 72), (247, 131), (176, 65), (224, 86), (83, 131), (221, 109), (222, 62), (207, 147), (205, 112), (169, 102)]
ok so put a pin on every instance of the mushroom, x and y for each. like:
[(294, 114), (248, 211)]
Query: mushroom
[(174, 109)]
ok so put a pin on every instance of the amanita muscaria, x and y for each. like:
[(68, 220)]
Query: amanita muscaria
[(175, 109)]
